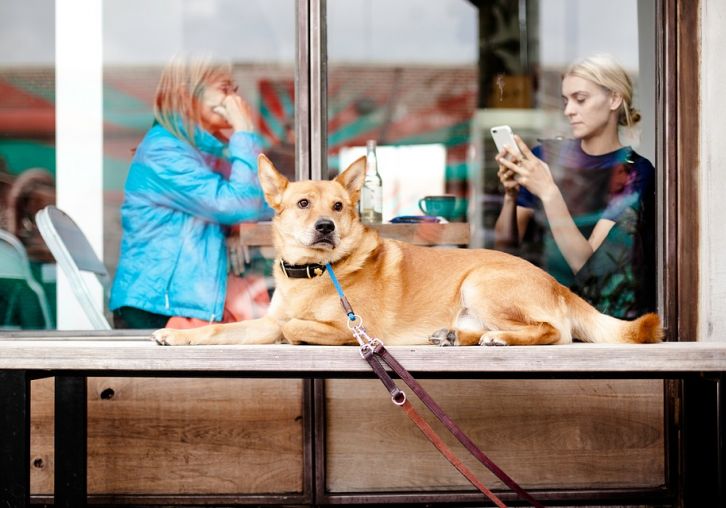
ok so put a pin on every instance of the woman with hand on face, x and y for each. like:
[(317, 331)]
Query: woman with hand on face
[(592, 198), (193, 175)]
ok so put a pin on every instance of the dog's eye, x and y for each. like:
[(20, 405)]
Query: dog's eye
[(303, 203), (338, 206)]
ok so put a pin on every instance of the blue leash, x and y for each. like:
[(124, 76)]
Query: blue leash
[(343, 300)]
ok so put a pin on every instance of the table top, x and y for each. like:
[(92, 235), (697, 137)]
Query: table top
[(79, 352), (452, 233)]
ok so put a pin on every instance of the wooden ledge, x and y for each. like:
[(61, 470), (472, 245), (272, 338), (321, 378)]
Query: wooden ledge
[(138, 354), (453, 233)]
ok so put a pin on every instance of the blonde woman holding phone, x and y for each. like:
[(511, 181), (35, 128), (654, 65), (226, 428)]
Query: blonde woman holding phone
[(591, 198)]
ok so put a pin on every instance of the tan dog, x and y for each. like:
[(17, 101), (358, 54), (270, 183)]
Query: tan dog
[(405, 294)]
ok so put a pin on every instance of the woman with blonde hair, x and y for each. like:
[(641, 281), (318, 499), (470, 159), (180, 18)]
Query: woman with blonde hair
[(193, 175), (590, 198)]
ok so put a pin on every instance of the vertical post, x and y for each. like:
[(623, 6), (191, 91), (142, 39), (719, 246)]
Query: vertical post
[(721, 437), (71, 448), (318, 91), (320, 426), (79, 137), (308, 413), (302, 91), (14, 439), (701, 471)]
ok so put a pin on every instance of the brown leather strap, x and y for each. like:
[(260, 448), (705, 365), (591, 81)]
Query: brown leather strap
[(399, 399), (381, 351), (447, 453), (397, 396)]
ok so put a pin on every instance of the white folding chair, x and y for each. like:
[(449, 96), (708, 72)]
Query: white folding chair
[(74, 254), (14, 264)]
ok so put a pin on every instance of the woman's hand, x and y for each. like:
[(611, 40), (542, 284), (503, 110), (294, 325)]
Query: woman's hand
[(237, 112), (527, 170), (506, 177), (238, 255), (535, 175)]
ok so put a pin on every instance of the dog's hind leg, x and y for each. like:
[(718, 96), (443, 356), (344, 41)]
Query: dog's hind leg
[(466, 330), (522, 335), (507, 315), (491, 323), (515, 334)]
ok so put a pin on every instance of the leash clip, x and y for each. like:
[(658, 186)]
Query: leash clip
[(366, 342)]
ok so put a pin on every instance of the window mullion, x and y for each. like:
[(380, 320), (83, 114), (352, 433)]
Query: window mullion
[(318, 90)]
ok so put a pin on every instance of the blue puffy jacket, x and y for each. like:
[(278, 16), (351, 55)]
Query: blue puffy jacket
[(177, 197)]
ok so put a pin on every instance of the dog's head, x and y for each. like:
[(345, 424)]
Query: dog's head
[(315, 221)]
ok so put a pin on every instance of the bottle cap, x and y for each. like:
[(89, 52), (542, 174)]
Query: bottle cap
[(371, 144)]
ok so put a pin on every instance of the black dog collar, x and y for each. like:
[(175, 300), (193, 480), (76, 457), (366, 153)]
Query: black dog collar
[(302, 271)]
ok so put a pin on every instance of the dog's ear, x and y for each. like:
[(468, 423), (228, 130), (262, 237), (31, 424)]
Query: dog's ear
[(352, 178), (272, 182)]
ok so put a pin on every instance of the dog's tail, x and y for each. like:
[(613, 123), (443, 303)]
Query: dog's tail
[(589, 325)]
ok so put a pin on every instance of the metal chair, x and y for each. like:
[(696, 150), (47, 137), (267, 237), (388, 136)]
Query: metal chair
[(74, 255), (14, 264)]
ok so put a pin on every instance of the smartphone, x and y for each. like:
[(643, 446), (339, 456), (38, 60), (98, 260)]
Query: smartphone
[(502, 135)]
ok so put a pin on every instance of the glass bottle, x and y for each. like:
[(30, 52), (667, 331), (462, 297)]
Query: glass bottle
[(371, 198)]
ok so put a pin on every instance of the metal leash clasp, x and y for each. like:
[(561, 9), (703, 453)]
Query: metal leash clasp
[(367, 351), (366, 342)]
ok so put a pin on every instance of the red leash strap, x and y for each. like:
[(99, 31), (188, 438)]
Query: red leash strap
[(446, 452), (385, 355), (399, 398)]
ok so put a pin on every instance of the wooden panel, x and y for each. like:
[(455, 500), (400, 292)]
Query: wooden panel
[(172, 436), (559, 434)]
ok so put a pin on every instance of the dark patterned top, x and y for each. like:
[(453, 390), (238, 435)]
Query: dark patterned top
[(619, 278)]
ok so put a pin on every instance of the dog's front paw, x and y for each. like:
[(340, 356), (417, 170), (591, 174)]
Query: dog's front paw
[(492, 339), (169, 337), (443, 337)]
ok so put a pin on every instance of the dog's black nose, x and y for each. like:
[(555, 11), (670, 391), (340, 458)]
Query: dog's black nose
[(324, 226)]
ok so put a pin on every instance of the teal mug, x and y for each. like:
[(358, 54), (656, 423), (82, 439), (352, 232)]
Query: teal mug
[(439, 206)]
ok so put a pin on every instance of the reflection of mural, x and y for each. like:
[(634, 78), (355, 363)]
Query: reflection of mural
[(277, 123), (404, 106), (27, 119), (394, 105)]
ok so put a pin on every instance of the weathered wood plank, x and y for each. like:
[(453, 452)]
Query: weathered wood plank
[(181, 436), (545, 434), (131, 354)]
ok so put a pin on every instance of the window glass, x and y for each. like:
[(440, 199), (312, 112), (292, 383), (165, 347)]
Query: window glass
[(426, 81), (27, 162), (588, 217)]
